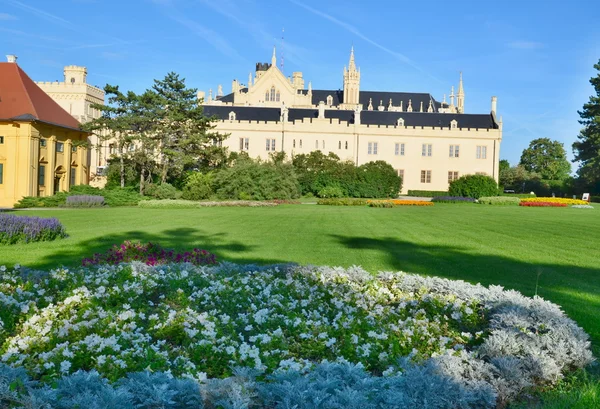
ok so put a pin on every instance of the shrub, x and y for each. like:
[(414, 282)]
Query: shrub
[(474, 186), (285, 201), (255, 180), (197, 186), (192, 204), (27, 229), (381, 203), (112, 197), (398, 202), (330, 192), (427, 193), (342, 202), (376, 179), (500, 200), (149, 253), (162, 191), (452, 199), (542, 204), (84, 201)]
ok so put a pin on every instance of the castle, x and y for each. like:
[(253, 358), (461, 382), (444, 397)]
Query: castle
[(429, 143)]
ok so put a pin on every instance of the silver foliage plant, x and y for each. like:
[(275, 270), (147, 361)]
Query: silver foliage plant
[(528, 342)]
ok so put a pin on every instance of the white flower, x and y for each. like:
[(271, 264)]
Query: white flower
[(65, 366)]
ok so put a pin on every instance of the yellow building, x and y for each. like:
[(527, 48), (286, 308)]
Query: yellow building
[(76, 97), (42, 148), (429, 142)]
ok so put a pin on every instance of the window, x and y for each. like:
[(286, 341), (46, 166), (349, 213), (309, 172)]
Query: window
[(323, 144), (329, 100), (42, 142), (73, 174), (272, 94), (270, 145), (300, 142), (316, 144), (1, 140), (73, 148), (454, 151), (346, 145), (246, 143), (267, 95), (42, 175), (425, 176), (111, 149), (293, 143), (278, 97), (232, 116), (482, 152), (372, 148), (399, 149), (340, 145), (452, 175), (241, 144), (60, 147), (1, 173), (400, 173), (426, 149)]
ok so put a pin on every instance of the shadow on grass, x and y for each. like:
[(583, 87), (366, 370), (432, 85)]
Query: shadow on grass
[(575, 288), (180, 239)]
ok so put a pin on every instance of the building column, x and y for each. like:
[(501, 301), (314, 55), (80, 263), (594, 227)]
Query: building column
[(51, 166), (34, 164), (67, 164)]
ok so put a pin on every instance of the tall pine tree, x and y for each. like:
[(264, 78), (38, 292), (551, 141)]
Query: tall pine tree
[(587, 149)]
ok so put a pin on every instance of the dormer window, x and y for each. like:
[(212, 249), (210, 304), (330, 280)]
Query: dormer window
[(232, 116), (400, 122), (329, 100), (453, 124)]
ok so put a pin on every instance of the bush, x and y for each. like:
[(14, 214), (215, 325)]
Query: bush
[(193, 204), (162, 191), (122, 197), (452, 199), (27, 229), (330, 192), (427, 193), (255, 180), (381, 203), (197, 186), (499, 200), (377, 180), (84, 201), (343, 202), (474, 186), (112, 197), (151, 254)]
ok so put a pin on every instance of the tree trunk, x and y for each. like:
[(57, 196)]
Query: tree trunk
[(163, 177), (122, 162), (142, 182)]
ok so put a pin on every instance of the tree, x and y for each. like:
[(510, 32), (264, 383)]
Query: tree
[(587, 148), (183, 133), (517, 178), (546, 157), (504, 165)]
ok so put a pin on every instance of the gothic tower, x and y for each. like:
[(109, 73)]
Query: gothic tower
[(351, 82), (460, 97)]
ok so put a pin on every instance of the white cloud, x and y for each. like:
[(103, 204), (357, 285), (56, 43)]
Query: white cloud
[(525, 45)]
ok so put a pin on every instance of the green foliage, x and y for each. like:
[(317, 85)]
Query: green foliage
[(330, 192), (587, 148), (377, 180), (499, 200), (381, 203), (113, 174), (474, 186), (194, 204), (519, 195), (427, 193), (255, 180), (162, 191), (198, 186), (342, 202), (546, 157), (595, 199), (112, 197), (504, 164)]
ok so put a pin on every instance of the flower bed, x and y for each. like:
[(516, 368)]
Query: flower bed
[(84, 201), (499, 200), (345, 201), (398, 202), (453, 199), (555, 200), (582, 206), (191, 204), (305, 336), (27, 229), (542, 204), (151, 254)]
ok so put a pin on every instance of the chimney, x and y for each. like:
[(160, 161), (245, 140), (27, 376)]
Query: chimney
[(494, 102), (11, 58)]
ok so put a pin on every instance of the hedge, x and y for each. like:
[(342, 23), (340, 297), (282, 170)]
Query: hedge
[(191, 204), (499, 200), (343, 202)]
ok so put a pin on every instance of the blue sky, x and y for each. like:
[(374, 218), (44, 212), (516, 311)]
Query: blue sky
[(536, 55)]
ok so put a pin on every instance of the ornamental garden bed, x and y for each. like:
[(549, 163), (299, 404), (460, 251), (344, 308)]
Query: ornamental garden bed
[(234, 336), (27, 229)]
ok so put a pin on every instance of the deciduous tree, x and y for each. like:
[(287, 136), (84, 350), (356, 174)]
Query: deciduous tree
[(546, 157)]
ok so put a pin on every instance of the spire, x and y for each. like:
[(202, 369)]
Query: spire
[(401, 103), (460, 100), (370, 108), (351, 64), (430, 107), (452, 97), (421, 107), (461, 91), (390, 105), (409, 109), (274, 58)]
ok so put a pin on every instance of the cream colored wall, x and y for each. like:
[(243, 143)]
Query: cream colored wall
[(22, 154), (358, 136)]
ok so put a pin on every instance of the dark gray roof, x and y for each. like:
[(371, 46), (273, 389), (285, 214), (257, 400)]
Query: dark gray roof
[(377, 97), (371, 118)]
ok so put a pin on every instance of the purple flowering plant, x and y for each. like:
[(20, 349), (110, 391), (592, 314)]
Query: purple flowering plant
[(26, 229), (151, 254)]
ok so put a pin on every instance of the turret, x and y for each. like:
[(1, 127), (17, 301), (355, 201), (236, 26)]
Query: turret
[(351, 82), (75, 74)]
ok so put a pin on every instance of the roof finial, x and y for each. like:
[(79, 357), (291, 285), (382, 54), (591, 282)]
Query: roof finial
[(401, 103), (351, 64), (370, 108), (409, 109), (274, 58), (430, 107), (421, 108)]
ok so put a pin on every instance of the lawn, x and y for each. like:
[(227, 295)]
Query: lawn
[(555, 249)]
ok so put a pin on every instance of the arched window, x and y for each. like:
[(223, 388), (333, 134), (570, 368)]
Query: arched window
[(267, 95), (278, 97), (272, 94), (232, 116), (329, 100), (400, 122)]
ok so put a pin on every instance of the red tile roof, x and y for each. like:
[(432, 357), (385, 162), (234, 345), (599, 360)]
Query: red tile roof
[(22, 99)]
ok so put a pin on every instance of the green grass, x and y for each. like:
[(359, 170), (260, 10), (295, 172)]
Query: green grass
[(510, 246)]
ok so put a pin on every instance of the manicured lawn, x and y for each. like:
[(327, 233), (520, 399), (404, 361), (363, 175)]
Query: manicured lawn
[(510, 246)]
